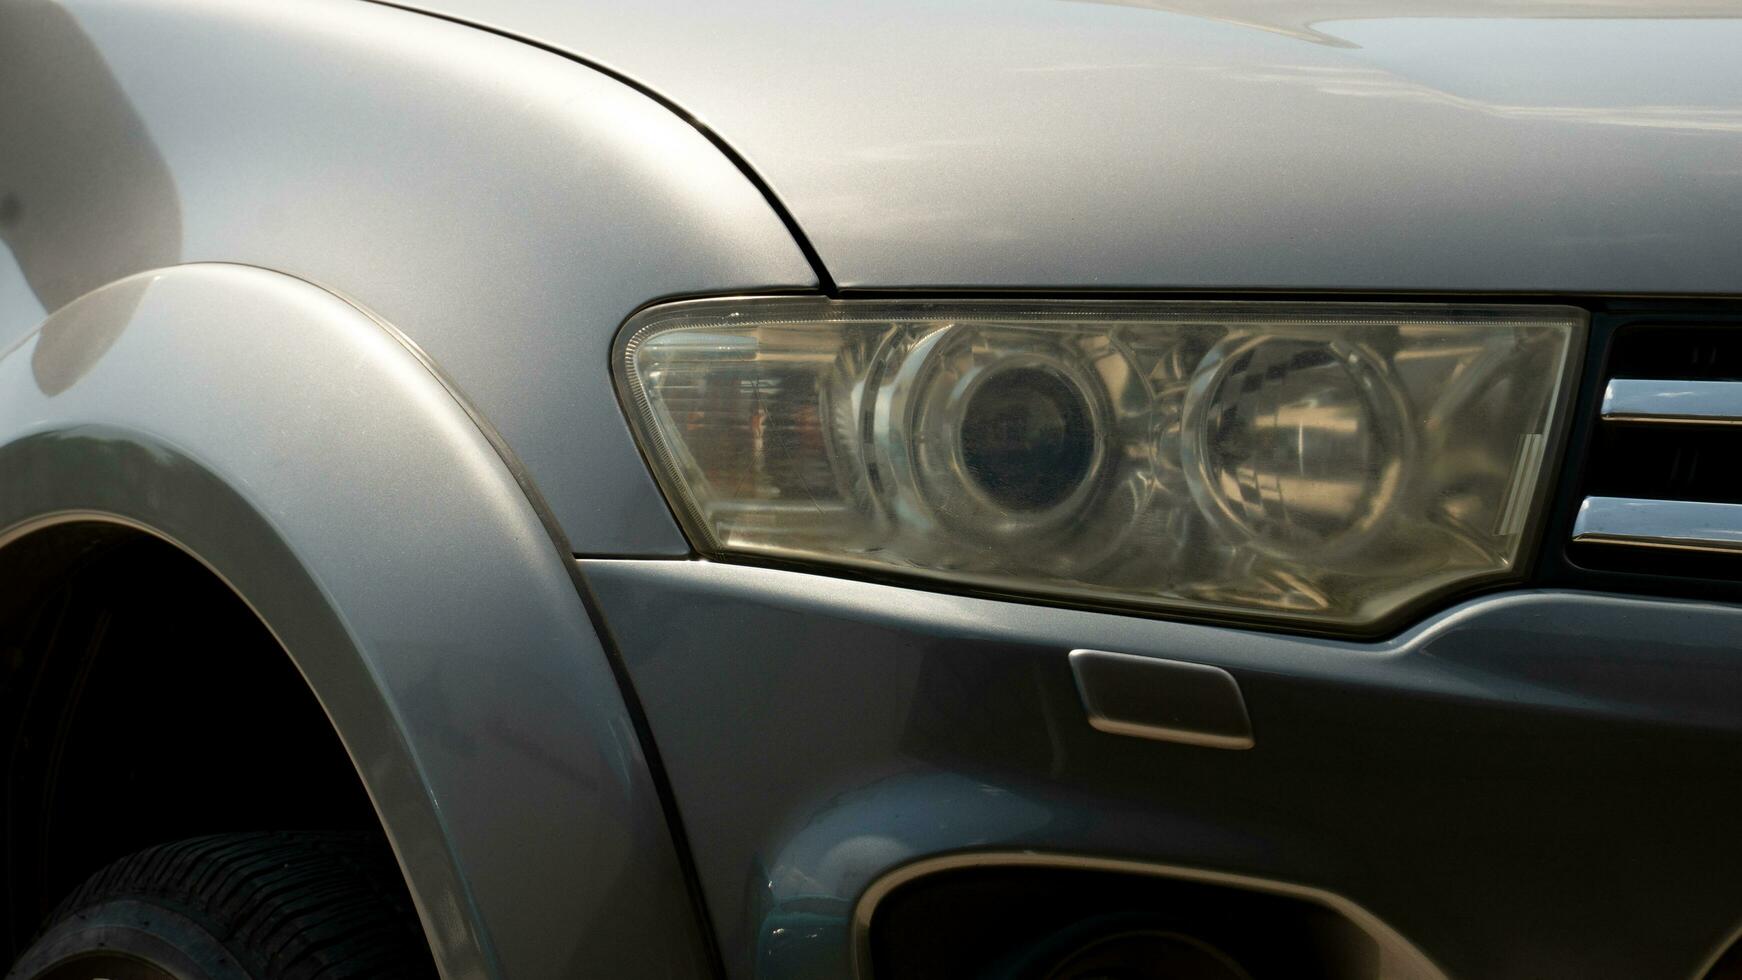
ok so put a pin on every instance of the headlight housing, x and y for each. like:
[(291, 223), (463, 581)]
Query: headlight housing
[(1322, 463)]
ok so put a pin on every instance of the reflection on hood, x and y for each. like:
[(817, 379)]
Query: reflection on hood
[(1297, 18)]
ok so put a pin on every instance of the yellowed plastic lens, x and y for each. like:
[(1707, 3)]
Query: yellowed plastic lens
[(1323, 463)]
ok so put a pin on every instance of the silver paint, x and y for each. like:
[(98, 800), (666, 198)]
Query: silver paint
[(299, 450), (507, 208), (1498, 145), (828, 732), (503, 206)]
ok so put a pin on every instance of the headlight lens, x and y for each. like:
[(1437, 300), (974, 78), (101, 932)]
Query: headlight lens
[(1326, 463)]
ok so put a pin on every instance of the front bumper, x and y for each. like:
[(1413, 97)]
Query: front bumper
[(1530, 784)]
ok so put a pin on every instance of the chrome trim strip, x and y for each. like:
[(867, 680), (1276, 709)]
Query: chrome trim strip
[(1673, 402), (1399, 959), (1681, 525)]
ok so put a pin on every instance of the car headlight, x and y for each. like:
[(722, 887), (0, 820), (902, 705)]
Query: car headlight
[(1318, 462)]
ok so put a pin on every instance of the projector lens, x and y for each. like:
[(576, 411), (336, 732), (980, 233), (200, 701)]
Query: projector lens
[(1028, 438), (1295, 445)]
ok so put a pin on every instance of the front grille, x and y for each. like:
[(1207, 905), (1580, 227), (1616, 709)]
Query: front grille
[(1663, 476), (1663, 462), (1703, 352)]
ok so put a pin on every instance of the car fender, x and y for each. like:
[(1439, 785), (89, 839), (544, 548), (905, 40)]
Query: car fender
[(311, 459), (505, 206)]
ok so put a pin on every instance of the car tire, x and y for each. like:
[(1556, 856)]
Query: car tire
[(257, 906)]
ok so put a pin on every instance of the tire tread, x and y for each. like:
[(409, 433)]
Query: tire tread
[(287, 905)]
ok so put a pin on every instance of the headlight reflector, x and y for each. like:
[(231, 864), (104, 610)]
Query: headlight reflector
[(1327, 463)]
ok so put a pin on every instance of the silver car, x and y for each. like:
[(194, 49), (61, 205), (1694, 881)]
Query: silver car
[(1021, 490)]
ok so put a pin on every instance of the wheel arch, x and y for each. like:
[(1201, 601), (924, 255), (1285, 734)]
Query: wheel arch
[(312, 462), (143, 701)]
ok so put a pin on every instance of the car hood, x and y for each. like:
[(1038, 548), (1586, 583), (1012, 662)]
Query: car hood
[(1399, 144)]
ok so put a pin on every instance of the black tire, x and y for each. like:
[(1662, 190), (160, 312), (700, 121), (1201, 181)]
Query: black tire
[(264, 906)]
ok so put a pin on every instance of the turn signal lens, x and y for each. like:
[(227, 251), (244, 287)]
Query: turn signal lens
[(1324, 463)]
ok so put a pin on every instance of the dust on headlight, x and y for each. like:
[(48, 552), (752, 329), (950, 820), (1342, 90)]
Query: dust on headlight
[(1319, 462)]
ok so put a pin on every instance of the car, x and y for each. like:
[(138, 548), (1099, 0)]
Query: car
[(919, 489)]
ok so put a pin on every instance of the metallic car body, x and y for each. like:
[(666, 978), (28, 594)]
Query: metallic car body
[(1526, 785), (1393, 144), (504, 208), (386, 157), (459, 667)]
